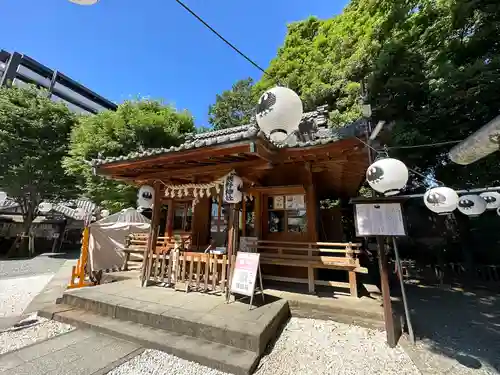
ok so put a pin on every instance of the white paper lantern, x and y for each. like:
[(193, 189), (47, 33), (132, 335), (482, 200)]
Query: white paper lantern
[(45, 207), (492, 199), (145, 196), (105, 213), (387, 176), (441, 200), (279, 113), (232, 189), (84, 2), (471, 205)]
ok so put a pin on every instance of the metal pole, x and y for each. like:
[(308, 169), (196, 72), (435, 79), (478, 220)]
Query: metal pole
[(403, 291)]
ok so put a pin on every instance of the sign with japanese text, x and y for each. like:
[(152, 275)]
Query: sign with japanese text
[(245, 273)]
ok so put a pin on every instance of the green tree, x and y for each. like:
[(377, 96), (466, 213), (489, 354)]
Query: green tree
[(233, 107), (135, 126), (34, 135)]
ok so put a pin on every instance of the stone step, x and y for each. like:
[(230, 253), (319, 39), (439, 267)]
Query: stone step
[(252, 336), (214, 355)]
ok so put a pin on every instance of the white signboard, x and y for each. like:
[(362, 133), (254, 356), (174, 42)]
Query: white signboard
[(295, 202), (379, 219), (245, 273)]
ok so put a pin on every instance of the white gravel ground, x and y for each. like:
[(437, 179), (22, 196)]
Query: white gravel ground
[(306, 347), (17, 338), (17, 293)]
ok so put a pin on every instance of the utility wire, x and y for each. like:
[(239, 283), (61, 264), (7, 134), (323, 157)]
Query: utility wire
[(437, 144), (378, 152), (236, 49)]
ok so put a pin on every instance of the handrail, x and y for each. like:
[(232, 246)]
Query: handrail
[(342, 244)]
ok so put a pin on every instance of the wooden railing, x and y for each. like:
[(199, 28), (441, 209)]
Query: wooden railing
[(312, 255), (137, 242), (172, 266)]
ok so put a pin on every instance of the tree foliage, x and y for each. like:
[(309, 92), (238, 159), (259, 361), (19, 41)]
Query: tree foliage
[(432, 68), (34, 135), (135, 126), (233, 107)]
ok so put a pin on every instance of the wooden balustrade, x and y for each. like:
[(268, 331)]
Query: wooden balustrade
[(312, 255)]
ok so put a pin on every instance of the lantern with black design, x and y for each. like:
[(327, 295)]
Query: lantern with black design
[(471, 205), (145, 196), (441, 200), (492, 199), (279, 113), (387, 176), (232, 188)]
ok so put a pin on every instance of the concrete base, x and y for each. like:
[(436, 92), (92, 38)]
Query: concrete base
[(199, 327)]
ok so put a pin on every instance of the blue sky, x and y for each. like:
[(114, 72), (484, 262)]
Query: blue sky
[(126, 48)]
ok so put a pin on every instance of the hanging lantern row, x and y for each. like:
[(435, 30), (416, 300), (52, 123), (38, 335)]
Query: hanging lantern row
[(389, 177)]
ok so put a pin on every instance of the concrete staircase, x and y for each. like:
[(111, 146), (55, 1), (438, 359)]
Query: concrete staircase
[(217, 341)]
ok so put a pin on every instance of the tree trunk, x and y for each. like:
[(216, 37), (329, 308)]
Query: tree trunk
[(23, 250)]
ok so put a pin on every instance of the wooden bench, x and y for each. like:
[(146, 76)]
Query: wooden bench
[(313, 255), (136, 244)]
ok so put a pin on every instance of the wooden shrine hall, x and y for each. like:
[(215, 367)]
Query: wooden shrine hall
[(279, 215)]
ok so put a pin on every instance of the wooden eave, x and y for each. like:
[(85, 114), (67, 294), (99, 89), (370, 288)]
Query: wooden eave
[(195, 165)]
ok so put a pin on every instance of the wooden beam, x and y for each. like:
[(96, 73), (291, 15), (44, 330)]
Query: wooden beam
[(296, 189), (199, 153), (220, 169)]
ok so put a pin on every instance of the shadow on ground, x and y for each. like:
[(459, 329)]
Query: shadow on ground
[(462, 326)]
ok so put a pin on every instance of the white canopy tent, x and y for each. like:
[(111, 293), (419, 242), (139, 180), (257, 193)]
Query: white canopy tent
[(108, 235)]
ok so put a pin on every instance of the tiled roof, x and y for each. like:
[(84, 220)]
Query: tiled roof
[(68, 209), (313, 130)]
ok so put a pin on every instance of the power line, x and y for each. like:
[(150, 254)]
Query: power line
[(437, 144), (236, 49)]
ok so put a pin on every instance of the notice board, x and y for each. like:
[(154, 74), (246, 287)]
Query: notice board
[(245, 273), (379, 219)]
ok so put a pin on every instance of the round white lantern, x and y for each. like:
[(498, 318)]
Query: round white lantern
[(441, 200), (387, 176), (45, 207), (492, 199), (471, 205), (84, 2), (145, 196), (232, 189), (105, 213), (279, 113)]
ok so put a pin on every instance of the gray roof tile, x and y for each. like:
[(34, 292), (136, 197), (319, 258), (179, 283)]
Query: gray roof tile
[(313, 130)]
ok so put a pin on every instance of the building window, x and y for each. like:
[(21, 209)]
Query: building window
[(287, 214), (183, 217)]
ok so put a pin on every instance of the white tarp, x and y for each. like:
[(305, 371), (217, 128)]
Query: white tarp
[(108, 235)]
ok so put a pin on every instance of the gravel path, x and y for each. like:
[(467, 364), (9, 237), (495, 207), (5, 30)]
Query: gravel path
[(44, 263), (17, 338), (154, 362), (305, 347), (17, 293)]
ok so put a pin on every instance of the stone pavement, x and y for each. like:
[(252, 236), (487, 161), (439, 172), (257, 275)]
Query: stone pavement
[(53, 290), (79, 352)]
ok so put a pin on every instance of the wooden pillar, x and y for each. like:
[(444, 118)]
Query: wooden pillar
[(386, 293), (170, 219), (311, 205), (153, 235), (231, 243), (258, 215)]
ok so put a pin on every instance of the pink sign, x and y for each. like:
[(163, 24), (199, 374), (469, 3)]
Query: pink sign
[(245, 273)]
